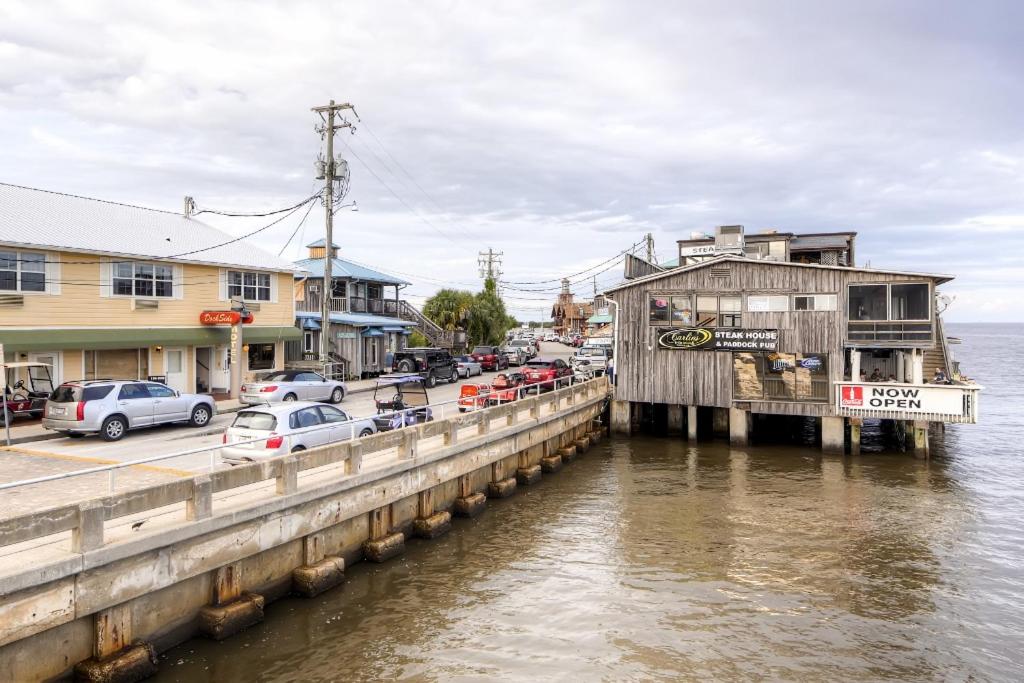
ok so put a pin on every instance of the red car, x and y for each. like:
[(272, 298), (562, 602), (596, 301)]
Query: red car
[(545, 372), (490, 358)]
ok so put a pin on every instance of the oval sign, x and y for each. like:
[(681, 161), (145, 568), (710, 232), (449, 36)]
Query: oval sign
[(693, 338)]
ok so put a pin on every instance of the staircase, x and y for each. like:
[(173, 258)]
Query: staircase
[(939, 355), (437, 336)]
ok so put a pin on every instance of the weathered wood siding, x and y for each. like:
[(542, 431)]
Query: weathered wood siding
[(648, 374)]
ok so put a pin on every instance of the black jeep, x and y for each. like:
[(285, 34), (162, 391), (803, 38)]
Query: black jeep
[(430, 364)]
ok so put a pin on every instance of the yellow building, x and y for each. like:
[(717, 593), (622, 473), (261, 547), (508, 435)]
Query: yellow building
[(99, 289)]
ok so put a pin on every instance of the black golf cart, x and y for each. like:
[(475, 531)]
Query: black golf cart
[(401, 401)]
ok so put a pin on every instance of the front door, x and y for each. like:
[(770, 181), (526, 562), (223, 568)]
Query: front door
[(175, 370), (41, 381)]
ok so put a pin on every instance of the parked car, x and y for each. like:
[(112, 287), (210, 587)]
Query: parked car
[(548, 373), (595, 356), (528, 346), (505, 388), (292, 385), (431, 364), (468, 367), (490, 358), (401, 400), (288, 428), (111, 407), (516, 355)]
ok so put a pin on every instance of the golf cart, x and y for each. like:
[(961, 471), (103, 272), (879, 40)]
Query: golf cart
[(401, 401), (26, 400)]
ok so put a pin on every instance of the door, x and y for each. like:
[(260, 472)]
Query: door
[(309, 427), (341, 428), (175, 370), (40, 380), (204, 370), (167, 405), (310, 386), (134, 402)]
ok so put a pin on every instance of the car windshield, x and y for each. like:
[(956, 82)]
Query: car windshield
[(254, 419)]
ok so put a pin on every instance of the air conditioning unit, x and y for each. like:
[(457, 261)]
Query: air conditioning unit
[(252, 306), (729, 239), (145, 304)]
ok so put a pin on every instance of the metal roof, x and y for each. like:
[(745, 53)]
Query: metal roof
[(938, 277), (342, 268), (53, 220), (358, 319), (320, 243)]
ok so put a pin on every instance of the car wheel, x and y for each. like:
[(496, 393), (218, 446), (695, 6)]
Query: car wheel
[(290, 397), (431, 380), (200, 416), (113, 428), (298, 449), (366, 432), (455, 377), (338, 395)]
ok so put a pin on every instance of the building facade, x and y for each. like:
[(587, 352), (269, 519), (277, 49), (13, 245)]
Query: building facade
[(773, 336), (97, 289)]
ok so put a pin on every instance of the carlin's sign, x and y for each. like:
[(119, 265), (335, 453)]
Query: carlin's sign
[(719, 339)]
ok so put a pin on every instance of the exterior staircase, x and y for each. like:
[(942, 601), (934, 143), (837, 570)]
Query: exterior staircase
[(939, 355), (437, 336)]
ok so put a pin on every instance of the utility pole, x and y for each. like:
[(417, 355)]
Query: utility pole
[(490, 264), (328, 170), (649, 239)]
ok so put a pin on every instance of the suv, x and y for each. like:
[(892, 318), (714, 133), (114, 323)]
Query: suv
[(431, 364), (490, 358), (112, 407)]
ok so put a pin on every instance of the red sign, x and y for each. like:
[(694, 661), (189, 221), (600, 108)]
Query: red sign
[(223, 318), (851, 397)]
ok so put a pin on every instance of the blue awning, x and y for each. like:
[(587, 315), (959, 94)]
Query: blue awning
[(393, 328), (310, 324), (372, 332)]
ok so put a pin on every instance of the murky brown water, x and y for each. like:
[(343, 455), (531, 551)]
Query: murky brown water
[(648, 559)]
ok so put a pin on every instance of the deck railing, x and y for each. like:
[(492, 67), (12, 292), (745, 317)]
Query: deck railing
[(862, 331), (895, 401), (85, 520)]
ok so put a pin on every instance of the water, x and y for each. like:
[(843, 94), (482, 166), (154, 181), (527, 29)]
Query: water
[(651, 560)]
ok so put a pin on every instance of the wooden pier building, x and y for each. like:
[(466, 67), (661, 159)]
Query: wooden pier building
[(784, 324)]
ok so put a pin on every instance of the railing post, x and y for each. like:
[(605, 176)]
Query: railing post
[(535, 406), (355, 459), (288, 477), (484, 424), (451, 436), (88, 534), (408, 447), (200, 505), (513, 414)]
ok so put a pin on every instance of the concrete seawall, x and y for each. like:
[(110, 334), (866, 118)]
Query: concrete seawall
[(89, 585)]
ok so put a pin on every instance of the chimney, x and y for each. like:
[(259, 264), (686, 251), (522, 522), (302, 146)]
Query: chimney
[(190, 207)]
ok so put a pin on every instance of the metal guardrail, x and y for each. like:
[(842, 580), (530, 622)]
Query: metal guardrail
[(85, 520)]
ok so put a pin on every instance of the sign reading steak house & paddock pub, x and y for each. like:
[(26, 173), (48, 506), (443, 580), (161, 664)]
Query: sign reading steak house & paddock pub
[(719, 339)]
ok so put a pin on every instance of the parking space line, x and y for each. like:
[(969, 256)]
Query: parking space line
[(93, 460)]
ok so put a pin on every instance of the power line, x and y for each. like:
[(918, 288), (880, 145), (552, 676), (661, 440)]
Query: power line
[(252, 215), (301, 223), (586, 270)]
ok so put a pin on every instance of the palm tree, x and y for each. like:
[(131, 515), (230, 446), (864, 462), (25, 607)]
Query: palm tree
[(449, 308)]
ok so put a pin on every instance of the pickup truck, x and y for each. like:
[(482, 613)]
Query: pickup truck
[(596, 356)]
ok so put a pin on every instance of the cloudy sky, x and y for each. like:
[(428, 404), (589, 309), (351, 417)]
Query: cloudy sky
[(558, 133)]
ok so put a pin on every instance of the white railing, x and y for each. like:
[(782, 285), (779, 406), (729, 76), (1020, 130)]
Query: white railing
[(898, 401)]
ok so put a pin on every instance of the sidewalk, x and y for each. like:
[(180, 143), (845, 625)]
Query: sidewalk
[(26, 432)]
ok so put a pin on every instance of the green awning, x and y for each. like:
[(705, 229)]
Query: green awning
[(125, 338)]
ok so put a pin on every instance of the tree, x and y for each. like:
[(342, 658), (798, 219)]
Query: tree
[(416, 339), (449, 308)]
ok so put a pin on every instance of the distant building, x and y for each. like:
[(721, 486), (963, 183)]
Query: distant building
[(569, 316)]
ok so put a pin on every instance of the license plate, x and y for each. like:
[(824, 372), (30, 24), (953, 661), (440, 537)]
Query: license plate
[(58, 411)]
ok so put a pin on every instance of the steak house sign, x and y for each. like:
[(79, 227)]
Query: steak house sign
[(719, 339)]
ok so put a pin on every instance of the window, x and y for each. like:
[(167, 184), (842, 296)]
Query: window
[(307, 342), (729, 307), (22, 271), (131, 392), (330, 414), (261, 356), (248, 286), (682, 312), (160, 391), (868, 302), (908, 302), (719, 311), (308, 377), (113, 363), (767, 303), (339, 289), (374, 291), (659, 309), (142, 279), (307, 417), (815, 302), (251, 419), (780, 376)]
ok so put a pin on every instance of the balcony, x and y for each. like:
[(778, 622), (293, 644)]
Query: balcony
[(894, 401), (868, 333), (313, 302)]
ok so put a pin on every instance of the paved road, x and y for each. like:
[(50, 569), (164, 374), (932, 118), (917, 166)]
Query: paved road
[(40, 458)]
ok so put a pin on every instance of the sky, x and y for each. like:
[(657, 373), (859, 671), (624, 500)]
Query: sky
[(556, 133)]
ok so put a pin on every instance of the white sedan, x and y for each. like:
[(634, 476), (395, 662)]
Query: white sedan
[(265, 431), (467, 367)]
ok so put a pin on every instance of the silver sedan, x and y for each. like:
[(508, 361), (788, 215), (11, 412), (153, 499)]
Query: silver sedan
[(265, 431), (292, 385), (467, 367)]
